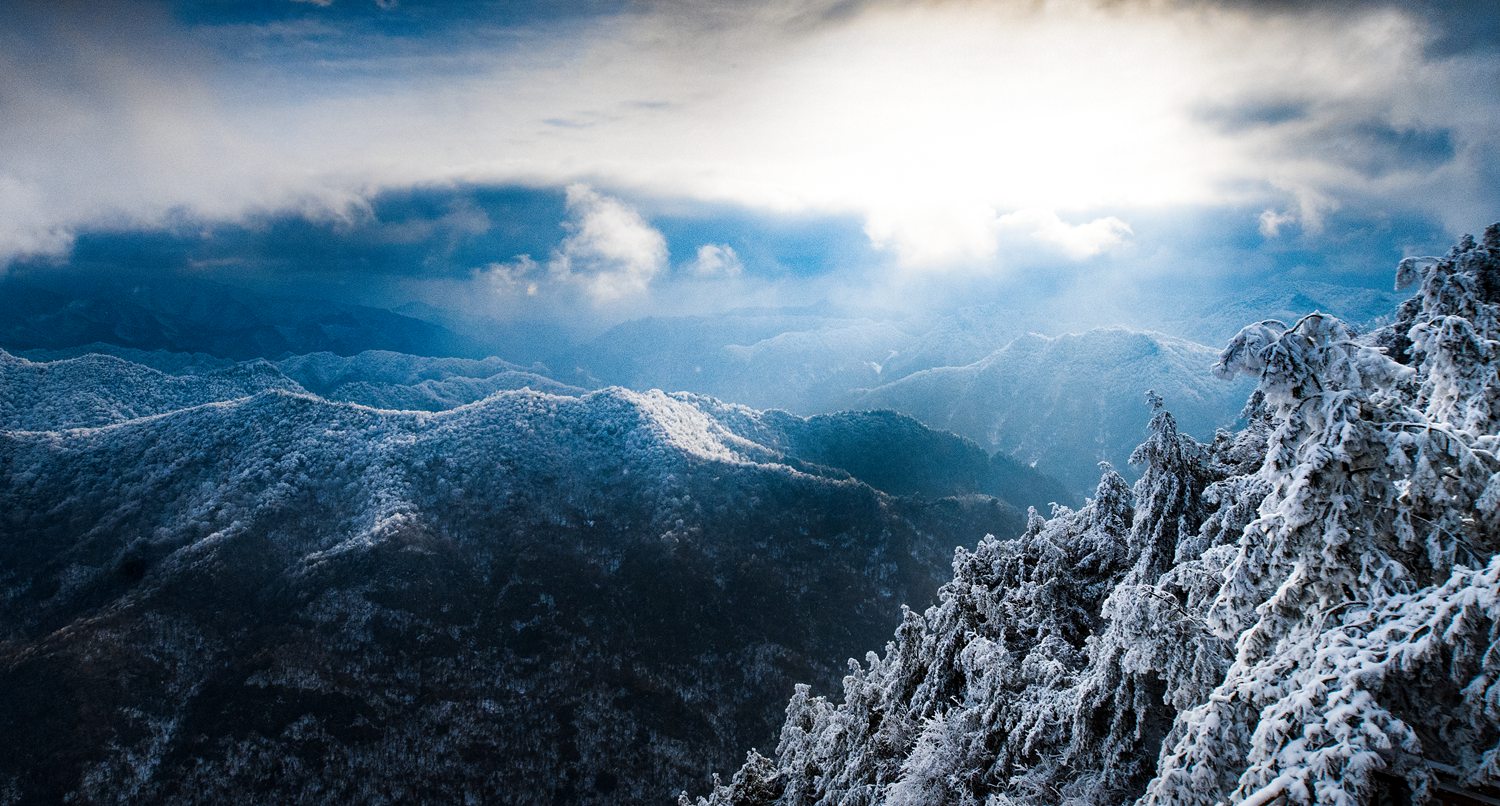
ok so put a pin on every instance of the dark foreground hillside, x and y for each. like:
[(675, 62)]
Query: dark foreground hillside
[(533, 598)]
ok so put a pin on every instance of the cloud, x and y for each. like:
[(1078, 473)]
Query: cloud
[(610, 250), (1254, 113), (519, 276), (977, 236), (610, 253), (934, 235), (716, 260), (1309, 209), (1073, 241), (1312, 207), (927, 121), (1376, 148), (25, 229), (1272, 221)]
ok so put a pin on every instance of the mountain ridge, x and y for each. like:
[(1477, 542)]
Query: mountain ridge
[(279, 576)]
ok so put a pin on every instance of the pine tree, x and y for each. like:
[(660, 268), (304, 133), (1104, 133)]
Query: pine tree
[(1150, 643)]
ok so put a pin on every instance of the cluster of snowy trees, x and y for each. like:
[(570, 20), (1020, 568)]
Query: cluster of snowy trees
[(1306, 611)]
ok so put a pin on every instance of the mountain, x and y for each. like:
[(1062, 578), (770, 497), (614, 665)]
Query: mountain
[(389, 380), (891, 452), (94, 390), (172, 363), (799, 360), (531, 598), (1217, 318), (1303, 612), (804, 360), (87, 389), (1062, 404)]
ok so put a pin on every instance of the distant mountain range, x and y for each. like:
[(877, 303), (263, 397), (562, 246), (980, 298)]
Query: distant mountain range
[(1063, 404), (1060, 401)]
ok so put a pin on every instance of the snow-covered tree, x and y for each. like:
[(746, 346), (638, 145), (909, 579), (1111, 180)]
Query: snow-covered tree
[(1150, 645), (1375, 496), (1301, 612)]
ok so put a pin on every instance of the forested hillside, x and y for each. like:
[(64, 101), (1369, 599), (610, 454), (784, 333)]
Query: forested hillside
[(220, 588)]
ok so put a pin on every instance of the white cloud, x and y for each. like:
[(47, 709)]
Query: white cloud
[(1073, 241), (519, 276), (935, 236), (1311, 208), (716, 260), (1272, 221), (976, 236), (25, 228), (610, 252)]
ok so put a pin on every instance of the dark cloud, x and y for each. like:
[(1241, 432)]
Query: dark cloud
[(1460, 26), (401, 235), (440, 233), (1376, 148), (407, 17), (1456, 26), (1236, 118)]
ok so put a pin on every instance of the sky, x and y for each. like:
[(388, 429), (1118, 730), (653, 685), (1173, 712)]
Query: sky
[(597, 160)]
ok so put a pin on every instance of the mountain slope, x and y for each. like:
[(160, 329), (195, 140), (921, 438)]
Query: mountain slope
[(1217, 319), (1065, 403), (891, 452), (532, 598), (388, 380), (93, 390)]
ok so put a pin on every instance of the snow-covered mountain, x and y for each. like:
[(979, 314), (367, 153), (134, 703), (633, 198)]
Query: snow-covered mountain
[(805, 360), (366, 575), (93, 390), (1304, 612), (1063, 404), (388, 380), (1062, 400), (533, 597), (800, 361)]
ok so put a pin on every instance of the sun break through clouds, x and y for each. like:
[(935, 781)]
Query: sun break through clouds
[(967, 138)]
